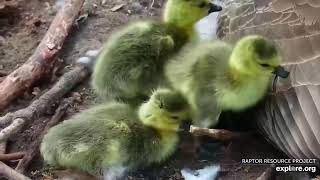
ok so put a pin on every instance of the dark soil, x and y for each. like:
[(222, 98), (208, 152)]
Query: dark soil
[(22, 28)]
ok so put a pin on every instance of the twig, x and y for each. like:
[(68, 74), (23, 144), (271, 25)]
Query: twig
[(11, 174), (3, 147), (13, 128), (34, 147), (267, 174), (151, 4), (42, 60), (11, 156), (39, 106), (216, 134)]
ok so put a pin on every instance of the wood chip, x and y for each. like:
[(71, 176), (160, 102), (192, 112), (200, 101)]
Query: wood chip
[(117, 7)]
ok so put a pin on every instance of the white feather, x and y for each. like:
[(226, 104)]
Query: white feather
[(114, 173), (89, 58), (84, 60), (207, 173), (207, 27), (59, 4), (93, 53)]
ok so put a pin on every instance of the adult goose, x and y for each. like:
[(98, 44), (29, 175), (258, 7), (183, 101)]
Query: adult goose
[(290, 117)]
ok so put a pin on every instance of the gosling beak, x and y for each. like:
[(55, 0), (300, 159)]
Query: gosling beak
[(281, 72), (185, 126), (214, 8)]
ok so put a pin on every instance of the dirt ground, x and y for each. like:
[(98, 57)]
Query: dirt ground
[(22, 28)]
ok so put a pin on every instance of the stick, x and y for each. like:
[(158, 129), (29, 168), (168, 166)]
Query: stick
[(34, 147), (216, 134), (13, 128), (3, 147), (11, 156), (41, 62), (267, 174), (11, 174), (39, 106)]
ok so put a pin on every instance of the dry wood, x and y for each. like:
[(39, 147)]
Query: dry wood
[(11, 174), (267, 174), (3, 147), (42, 60), (11, 156), (34, 147), (13, 128), (39, 106), (217, 134)]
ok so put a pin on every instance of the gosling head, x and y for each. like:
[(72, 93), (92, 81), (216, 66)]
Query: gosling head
[(185, 13), (255, 55), (165, 110)]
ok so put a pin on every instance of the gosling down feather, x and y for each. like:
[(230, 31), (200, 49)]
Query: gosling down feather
[(216, 76), (113, 136), (130, 64)]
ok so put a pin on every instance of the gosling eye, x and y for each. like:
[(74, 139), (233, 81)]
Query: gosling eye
[(202, 5), (265, 65), (174, 117)]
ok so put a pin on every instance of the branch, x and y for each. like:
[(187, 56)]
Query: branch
[(34, 147), (42, 60), (11, 156), (39, 106), (13, 128), (217, 134), (11, 174), (3, 147)]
